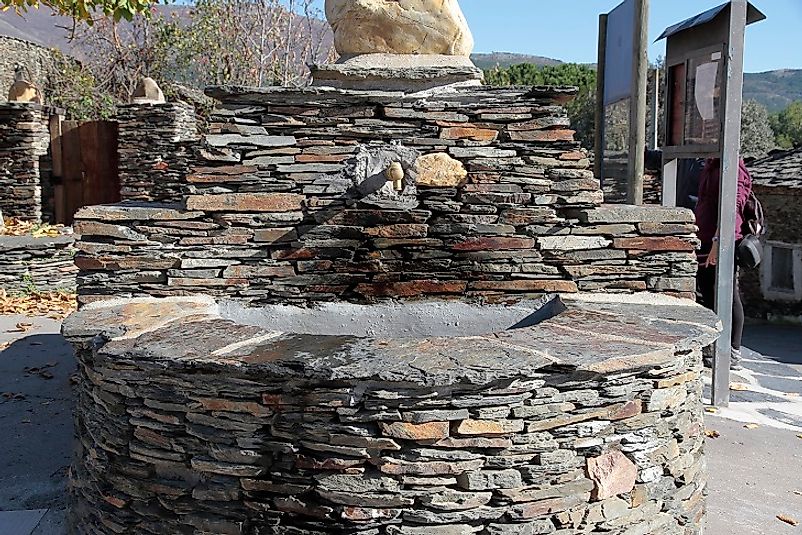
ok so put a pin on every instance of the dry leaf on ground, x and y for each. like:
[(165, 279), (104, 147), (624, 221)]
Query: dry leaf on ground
[(711, 433), (56, 305), (739, 386), (788, 520), (17, 227), (751, 426), (41, 371)]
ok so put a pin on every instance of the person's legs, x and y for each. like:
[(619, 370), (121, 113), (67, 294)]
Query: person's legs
[(737, 323), (705, 293), (706, 286)]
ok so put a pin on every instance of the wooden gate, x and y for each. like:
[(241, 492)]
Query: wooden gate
[(85, 166)]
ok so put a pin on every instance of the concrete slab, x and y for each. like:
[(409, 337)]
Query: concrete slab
[(20, 522)]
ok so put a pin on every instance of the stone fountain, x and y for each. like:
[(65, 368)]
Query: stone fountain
[(392, 303)]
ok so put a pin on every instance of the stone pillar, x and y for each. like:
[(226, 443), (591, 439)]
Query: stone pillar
[(24, 159), (152, 149)]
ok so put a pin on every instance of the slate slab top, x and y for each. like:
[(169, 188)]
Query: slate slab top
[(273, 95), (13, 243), (599, 334)]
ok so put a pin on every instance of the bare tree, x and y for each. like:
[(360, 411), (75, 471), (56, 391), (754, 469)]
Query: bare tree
[(118, 54), (246, 42)]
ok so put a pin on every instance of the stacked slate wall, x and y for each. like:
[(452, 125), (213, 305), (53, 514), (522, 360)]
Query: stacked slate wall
[(42, 264), (25, 161), (153, 150), (287, 203), (191, 423), (783, 208)]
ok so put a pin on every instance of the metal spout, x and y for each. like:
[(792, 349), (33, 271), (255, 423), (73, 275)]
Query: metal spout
[(395, 174)]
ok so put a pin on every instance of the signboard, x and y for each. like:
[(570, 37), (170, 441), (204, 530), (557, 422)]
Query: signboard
[(621, 95), (618, 66)]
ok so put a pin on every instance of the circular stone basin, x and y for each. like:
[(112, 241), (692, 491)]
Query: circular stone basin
[(571, 415)]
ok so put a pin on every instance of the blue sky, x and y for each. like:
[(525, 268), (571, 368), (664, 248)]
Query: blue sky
[(567, 29)]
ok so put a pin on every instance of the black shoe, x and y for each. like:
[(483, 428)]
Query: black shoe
[(735, 361)]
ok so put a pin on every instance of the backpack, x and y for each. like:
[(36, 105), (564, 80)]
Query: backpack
[(750, 249)]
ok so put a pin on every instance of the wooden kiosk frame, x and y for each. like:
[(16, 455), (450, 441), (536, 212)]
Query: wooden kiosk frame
[(705, 64)]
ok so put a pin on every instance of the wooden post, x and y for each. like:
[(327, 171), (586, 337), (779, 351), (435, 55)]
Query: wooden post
[(728, 199), (73, 169), (58, 168), (638, 104), (598, 162), (655, 111)]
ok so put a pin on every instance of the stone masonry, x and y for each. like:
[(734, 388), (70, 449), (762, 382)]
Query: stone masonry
[(25, 164), (153, 155), (44, 264), (586, 417), (287, 203), (38, 62), (777, 182)]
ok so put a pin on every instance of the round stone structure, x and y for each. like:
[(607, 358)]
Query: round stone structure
[(572, 414)]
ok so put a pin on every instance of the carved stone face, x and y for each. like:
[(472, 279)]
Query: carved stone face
[(399, 27)]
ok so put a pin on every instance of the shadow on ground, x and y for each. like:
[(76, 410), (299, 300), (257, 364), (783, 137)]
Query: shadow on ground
[(36, 403), (780, 343)]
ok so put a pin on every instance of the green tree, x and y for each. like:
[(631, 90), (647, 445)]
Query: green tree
[(84, 10), (757, 137), (73, 87), (581, 110), (787, 126)]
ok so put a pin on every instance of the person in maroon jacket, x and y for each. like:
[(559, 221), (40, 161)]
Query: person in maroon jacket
[(707, 221)]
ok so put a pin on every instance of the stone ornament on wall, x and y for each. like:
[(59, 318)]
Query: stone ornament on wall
[(368, 172), (23, 90), (399, 27), (148, 92)]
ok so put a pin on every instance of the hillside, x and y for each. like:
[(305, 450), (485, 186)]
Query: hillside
[(774, 89), (505, 59)]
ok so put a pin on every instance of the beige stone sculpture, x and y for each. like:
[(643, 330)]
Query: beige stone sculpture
[(22, 90), (399, 27), (147, 92)]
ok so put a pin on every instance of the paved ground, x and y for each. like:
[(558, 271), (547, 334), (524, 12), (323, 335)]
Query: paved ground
[(755, 474), (36, 419), (769, 389)]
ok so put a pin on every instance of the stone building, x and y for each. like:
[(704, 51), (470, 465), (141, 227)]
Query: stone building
[(775, 290), (37, 60)]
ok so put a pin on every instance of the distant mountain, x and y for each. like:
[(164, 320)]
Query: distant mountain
[(774, 89), (38, 26), (505, 59)]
